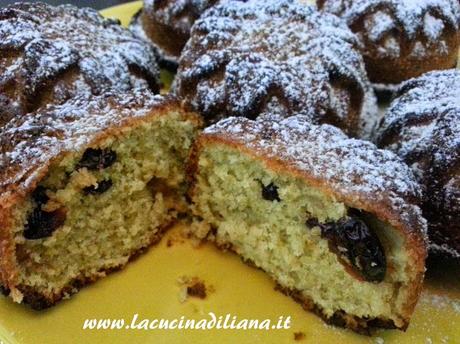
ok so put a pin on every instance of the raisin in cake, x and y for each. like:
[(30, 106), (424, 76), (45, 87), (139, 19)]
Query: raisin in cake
[(248, 58), (166, 24), (402, 39), (334, 221), (50, 54), (423, 127), (85, 186)]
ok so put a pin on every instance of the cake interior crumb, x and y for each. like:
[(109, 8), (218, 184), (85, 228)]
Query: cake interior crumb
[(144, 195)]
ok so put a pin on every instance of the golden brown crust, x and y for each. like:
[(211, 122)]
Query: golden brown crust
[(50, 54), (8, 271), (365, 326), (401, 41), (394, 202)]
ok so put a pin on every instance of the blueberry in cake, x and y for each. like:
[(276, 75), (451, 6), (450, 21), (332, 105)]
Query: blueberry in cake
[(333, 220), (85, 186), (166, 24), (402, 39), (50, 54), (248, 58), (422, 126)]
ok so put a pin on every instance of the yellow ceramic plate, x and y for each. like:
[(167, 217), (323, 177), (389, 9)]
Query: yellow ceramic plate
[(149, 287)]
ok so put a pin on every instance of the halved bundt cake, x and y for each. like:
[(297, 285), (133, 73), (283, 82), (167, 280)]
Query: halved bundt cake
[(334, 221), (85, 186)]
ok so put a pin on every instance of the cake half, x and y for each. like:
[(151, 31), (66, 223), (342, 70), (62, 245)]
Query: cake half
[(86, 186), (334, 221)]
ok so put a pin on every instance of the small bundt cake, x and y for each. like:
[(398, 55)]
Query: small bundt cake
[(50, 54), (423, 127), (85, 186), (332, 220), (402, 39), (247, 58), (166, 24)]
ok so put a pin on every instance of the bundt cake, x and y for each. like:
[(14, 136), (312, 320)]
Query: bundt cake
[(423, 127), (248, 58), (402, 39), (50, 54), (334, 221), (166, 24), (85, 186)]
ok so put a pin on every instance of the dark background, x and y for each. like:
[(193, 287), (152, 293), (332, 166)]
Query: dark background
[(98, 4)]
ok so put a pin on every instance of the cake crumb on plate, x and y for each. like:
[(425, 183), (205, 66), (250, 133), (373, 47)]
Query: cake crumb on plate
[(299, 335), (193, 287)]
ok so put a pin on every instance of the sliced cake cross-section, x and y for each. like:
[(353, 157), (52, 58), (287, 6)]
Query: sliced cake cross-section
[(334, 221), (85, 186)]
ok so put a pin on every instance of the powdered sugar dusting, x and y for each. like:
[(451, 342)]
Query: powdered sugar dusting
[(440, 302), (378, 24), (29, 143), (433, 27), (351, 167), (432, 104), (40, 43), (422, 126), (425, 20), (243, 56)]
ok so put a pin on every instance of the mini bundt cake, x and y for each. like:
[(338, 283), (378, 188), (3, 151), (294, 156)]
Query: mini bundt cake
[(423, 127), (247, 58), (166, 24), (334, 221), (402, 39), (85, 186), (50, 54)]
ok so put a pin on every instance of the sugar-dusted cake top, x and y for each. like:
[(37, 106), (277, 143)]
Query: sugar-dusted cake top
[(247, 58), (414, 16), (28, 144), (49, 54), (422, 126), (354, 170), (424, 119)]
